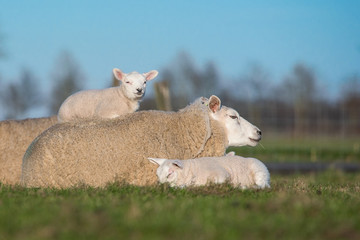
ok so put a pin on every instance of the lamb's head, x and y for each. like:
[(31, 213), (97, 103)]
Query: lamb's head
[(239, 132), (134, 83), (168, 169)]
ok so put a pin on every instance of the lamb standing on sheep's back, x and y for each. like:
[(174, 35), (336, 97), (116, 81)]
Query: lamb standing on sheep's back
[(15, 137), (99, 152), (238, 171), (107, 103)]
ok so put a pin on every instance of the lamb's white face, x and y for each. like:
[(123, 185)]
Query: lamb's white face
[(239, 131), (134, 83), (167, 171)]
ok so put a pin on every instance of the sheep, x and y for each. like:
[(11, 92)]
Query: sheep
[(16, 136), (238, 171), (97, 152), (107, 103)]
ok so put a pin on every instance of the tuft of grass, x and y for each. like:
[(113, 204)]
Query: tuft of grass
[(314, 206)]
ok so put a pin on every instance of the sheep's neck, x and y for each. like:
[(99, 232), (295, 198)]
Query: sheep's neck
[(217, 143), (133, 104)]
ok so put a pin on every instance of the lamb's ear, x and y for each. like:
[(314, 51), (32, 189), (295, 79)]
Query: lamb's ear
[(151, 75), (157, 161), (232, 153), (178, 164), (119, 75), (214, 103)]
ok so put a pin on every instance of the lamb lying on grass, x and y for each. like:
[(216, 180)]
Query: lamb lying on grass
[(238, 171), (15, 137), (96, 153), (109, 102)]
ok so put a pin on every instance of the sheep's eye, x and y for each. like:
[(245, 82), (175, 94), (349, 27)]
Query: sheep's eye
[(127, 82), (233, 116)]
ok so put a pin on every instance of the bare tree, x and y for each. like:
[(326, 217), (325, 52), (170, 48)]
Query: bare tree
[(181, 79), (68, 79), (351, 87), (19, 97), (300, 89), (256, 82), (187, 82), (209, 80), (350, 93), (255, 89)]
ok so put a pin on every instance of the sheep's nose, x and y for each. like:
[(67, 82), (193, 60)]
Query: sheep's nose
[(139, 90), (258, 132)]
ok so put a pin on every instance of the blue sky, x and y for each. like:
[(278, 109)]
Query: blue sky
[(145, 35)]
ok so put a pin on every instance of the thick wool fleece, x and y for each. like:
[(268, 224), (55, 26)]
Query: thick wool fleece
[(15, 137), (99, 152)]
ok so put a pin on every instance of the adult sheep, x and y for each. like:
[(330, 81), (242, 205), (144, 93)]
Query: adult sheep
[(109, 102), (99, 152), (15, 137)]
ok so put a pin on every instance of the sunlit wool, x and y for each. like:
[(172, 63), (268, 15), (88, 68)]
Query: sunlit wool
[(96, 153), (238, 171), (107, 103), (15, 137)]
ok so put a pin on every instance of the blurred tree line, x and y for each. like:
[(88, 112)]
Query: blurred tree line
[(22, 95), (298, 104)]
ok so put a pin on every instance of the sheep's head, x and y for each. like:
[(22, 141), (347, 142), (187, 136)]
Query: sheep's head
[(167, 170), (134, 83), (239, 132)]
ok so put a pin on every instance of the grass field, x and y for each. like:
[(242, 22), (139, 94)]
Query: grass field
[(322, 206), (320, 149), (310, 206)]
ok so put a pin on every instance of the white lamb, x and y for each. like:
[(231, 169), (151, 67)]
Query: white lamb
[(238, 171), (107, 103)]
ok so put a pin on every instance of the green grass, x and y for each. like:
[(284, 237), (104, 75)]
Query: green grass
[(286, 149), (316, 206), (310, 206)]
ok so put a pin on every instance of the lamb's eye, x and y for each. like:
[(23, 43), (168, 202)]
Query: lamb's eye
[(127, 82), (233, 116), (170, 173)]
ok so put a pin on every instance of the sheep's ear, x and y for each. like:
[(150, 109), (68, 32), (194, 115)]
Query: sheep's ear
[(214, 103), (178, 164), (151, 75), (157, 161), (119, 75)]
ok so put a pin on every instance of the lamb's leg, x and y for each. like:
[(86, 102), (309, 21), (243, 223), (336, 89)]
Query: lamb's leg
[(220, 176), (261, 179)]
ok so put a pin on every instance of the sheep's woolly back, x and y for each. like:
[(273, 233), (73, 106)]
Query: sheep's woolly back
[(98, 152), (15, 137)]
